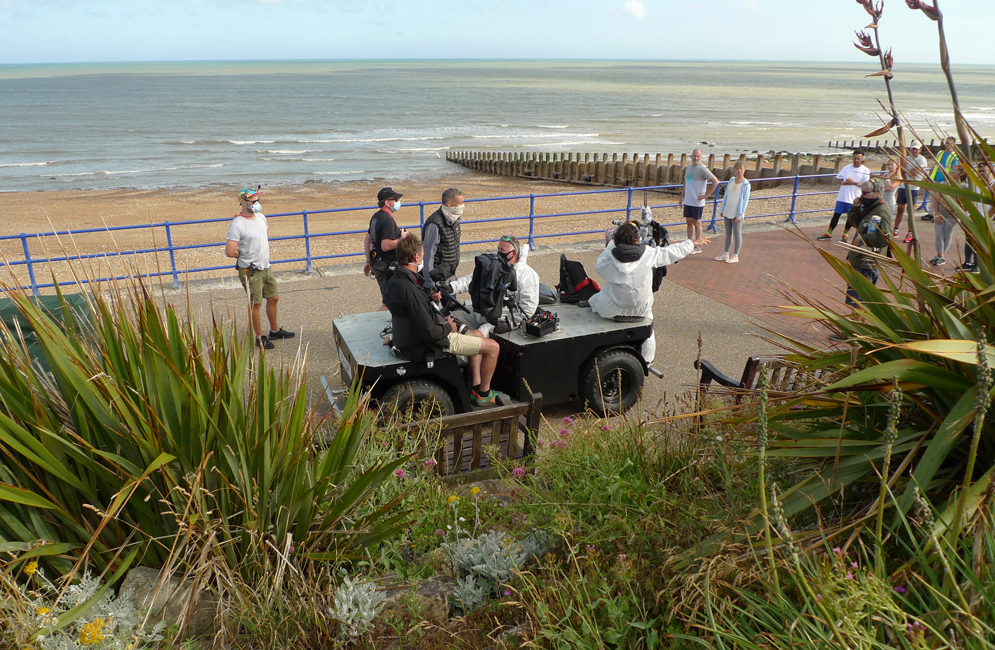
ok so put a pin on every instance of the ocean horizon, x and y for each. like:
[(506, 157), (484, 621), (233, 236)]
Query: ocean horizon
[(188, 124)]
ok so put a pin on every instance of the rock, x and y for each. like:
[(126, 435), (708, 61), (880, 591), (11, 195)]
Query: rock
[(426, 599), (140, 585)]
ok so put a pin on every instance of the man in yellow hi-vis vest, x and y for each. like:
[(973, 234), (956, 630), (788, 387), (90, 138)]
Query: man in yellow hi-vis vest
[(945, 160)]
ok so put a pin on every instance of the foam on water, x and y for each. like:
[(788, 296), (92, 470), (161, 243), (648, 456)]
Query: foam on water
[(231, 123)]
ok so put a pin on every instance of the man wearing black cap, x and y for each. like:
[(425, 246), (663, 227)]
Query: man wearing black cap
[(381, 240)]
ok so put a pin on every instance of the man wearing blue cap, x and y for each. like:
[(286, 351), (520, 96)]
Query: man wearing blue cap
[(248, 243)]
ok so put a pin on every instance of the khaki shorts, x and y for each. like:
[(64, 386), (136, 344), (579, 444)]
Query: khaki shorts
[(261, 285), (464, 344)]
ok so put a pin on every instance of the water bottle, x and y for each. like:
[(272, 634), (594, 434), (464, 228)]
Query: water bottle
[(872, 227)]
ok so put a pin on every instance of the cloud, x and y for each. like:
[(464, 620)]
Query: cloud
[(751, 5), (634, 8)]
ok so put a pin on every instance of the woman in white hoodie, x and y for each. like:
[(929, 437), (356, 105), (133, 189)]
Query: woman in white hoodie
[(626, 266)]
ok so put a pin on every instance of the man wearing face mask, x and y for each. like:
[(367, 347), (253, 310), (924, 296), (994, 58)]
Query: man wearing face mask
[(526, 288), (248, 243), (441, 235), (381, 240)]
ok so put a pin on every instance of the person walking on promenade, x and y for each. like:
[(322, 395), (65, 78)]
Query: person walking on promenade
[(851, 176), (248, 243), (944, 219), (945, 161), (891, 182), (699, 183), (873, 218), (382, 238), (441, 237), (914, 168), (733, 211)]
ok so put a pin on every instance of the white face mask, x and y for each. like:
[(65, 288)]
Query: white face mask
[(255, 208), (453, 213)]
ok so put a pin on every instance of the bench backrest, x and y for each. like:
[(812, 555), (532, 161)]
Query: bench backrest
[(464, 435)]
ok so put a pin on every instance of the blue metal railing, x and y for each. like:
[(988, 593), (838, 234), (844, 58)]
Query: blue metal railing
[(169, 227)]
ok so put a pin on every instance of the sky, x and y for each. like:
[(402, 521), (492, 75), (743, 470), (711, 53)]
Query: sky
[(76, 31)]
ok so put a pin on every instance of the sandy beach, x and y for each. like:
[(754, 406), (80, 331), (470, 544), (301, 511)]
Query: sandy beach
[(77, 211)]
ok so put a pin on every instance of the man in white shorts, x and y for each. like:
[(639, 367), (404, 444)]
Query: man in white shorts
[(415, 321)]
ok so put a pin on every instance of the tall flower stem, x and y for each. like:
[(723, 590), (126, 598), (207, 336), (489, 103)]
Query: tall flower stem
[(984, 385), (890, 436), (762, 446)]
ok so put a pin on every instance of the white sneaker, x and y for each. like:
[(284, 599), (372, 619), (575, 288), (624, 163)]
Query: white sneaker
[(732, 259), (722, 258), (696, 250)]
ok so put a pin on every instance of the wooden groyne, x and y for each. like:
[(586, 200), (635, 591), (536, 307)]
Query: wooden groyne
[(613, 170), (883, 146)]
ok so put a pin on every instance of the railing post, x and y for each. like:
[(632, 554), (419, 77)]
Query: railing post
[(307, 245), (532, 221), (421, 214), (794, 199), (628, 207), (31, 268), (172, 256), (715, 208)]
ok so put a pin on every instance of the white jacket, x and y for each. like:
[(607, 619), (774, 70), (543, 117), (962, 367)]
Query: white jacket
[(628, 286), (528, 285)]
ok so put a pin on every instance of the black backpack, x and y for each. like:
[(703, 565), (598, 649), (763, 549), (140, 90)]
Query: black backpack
[(492, 277), (662, 238), (574, 284)]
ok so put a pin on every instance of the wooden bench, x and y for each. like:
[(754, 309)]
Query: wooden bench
[(464, 435), (786, 379)]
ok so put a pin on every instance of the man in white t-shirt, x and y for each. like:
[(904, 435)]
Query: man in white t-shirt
[(851, 177), (699, 183), (914, 168), (248, 243)]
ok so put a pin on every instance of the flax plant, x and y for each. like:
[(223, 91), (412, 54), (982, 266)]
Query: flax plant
[(142, 416)]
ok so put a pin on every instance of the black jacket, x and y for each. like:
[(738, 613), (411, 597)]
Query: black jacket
[(445, 257), (414, 319)]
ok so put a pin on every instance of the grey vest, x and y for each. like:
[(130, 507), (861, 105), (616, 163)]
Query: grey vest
[(447, 252)]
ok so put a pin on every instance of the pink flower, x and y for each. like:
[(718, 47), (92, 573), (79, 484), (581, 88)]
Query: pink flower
[(899, 589), (507, 592), (429, 463), (854, 565), (564, 433), (518, 472), (849, 576), (399, 473), (621, 557), (818, 598), (605, 427), (838, 551), (568, 421), (563, 443), (540, 443), (440, 532)]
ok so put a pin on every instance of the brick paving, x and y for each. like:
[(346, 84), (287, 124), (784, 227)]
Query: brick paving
[(781, 260)]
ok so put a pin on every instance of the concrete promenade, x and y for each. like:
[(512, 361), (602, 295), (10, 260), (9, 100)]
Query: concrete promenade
[(728, 304)]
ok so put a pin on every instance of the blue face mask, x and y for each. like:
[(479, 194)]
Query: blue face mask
[(397, 206)]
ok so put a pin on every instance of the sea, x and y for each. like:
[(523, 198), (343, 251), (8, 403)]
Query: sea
[(196, 124)]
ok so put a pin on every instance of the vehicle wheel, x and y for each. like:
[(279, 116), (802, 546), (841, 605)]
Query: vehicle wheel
[(611, 382), (416, 395)]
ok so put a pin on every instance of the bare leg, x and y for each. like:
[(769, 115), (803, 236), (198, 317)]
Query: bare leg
[(474, 361), (271, 313), (697, 229), (899, 212), (489, 351), (690, 228), (254, 317)]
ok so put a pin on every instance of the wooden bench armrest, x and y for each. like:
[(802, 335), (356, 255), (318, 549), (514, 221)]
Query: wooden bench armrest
[(710, 373)]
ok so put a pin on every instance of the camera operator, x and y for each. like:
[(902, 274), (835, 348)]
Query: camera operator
[(416, 321), (627, 265), (525, 298)]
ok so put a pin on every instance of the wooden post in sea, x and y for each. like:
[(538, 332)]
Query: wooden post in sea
[(670, 168), (777, 169)]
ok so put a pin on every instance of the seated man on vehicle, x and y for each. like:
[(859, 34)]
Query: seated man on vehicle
[(627, 266), (525, 297), (416, 321)]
